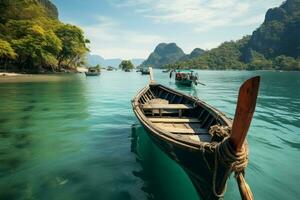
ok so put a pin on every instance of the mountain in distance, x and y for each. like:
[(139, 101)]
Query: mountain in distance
[(114, 62), (137, 61), (195, 53), (275, 45), (94, 59), (163, 54), (280, 32), (169, 53)]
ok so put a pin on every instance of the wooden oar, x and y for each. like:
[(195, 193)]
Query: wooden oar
[(201, 83), (244, 112), (243, 115)]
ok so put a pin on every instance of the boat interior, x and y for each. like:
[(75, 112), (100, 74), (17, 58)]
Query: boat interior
[(176, 113)]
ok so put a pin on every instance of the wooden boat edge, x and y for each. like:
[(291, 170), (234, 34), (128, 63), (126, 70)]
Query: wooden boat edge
[(167, 136)]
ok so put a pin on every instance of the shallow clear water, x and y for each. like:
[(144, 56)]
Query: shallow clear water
[(72, 138)]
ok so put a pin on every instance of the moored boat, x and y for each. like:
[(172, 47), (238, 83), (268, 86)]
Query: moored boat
[(145, 71), (185, 77), (110, 68), (93, 71), (200, 138)]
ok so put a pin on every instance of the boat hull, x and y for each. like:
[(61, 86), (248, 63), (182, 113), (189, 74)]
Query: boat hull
[(184, 82), (92, 74), (209, 179), (192, 163)]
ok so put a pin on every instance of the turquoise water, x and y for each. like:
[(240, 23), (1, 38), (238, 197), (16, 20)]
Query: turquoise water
[(72, 138)]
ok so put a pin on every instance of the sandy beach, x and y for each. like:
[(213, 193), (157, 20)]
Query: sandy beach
[(18, 78), (10, 74)]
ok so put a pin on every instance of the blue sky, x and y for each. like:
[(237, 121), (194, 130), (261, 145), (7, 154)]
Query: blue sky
[(132, 28)]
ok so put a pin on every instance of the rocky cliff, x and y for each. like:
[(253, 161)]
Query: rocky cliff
[(164, 54), (50, 7), (280, 32)]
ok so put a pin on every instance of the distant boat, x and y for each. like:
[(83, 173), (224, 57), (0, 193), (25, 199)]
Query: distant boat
[(185, 77), (110, 68), (93, 71), (145, 71), (208, 145), (166, 70), (127, 70)]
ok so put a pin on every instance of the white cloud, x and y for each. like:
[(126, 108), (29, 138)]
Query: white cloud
[(250, 21), (205, 14), (210, 45), (110, 40)]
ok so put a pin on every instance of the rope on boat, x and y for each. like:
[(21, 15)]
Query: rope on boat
[(226, 155), (236, 161), (219, 132)]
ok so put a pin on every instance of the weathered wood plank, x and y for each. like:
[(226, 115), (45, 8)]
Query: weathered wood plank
[(198, 138), (175, 120), (185, 130), (167, 106)]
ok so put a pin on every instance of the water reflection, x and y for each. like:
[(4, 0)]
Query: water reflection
[(27, 125), (295, 145), (73, 139), (162, 177)]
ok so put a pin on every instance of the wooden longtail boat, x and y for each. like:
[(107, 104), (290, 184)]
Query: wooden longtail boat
[(93, 71), (185, 77), (200, 138), (145, 71)]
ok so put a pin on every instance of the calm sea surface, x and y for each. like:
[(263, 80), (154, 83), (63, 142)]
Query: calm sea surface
[(70, 137)]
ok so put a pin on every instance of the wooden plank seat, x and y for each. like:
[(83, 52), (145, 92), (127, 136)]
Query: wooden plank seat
[(174, 120), (158, 101), (167, 106), (186, 130), (162, 107)]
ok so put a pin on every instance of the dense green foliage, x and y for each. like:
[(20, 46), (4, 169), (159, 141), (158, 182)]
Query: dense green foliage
[(194, 54), (279, 34), (6, 51), (275, 45), (126, 65), (32, 39)]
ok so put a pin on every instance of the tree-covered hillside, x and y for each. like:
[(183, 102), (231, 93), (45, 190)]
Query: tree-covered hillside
[(163, 54), (33, 40), (275, 45)]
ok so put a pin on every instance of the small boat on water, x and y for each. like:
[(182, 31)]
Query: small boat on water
[(145, 71), (166, 70), (185, 77), (93, 71), (110, 68), (207, 144)]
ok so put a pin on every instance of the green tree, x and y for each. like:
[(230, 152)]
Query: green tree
[(126, 65), (39, 39), (74, 45), (259, 62), (7, 53), (37, 48), (286, 63)]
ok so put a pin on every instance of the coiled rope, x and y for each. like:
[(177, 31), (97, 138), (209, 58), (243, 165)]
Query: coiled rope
[(226, 155)]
